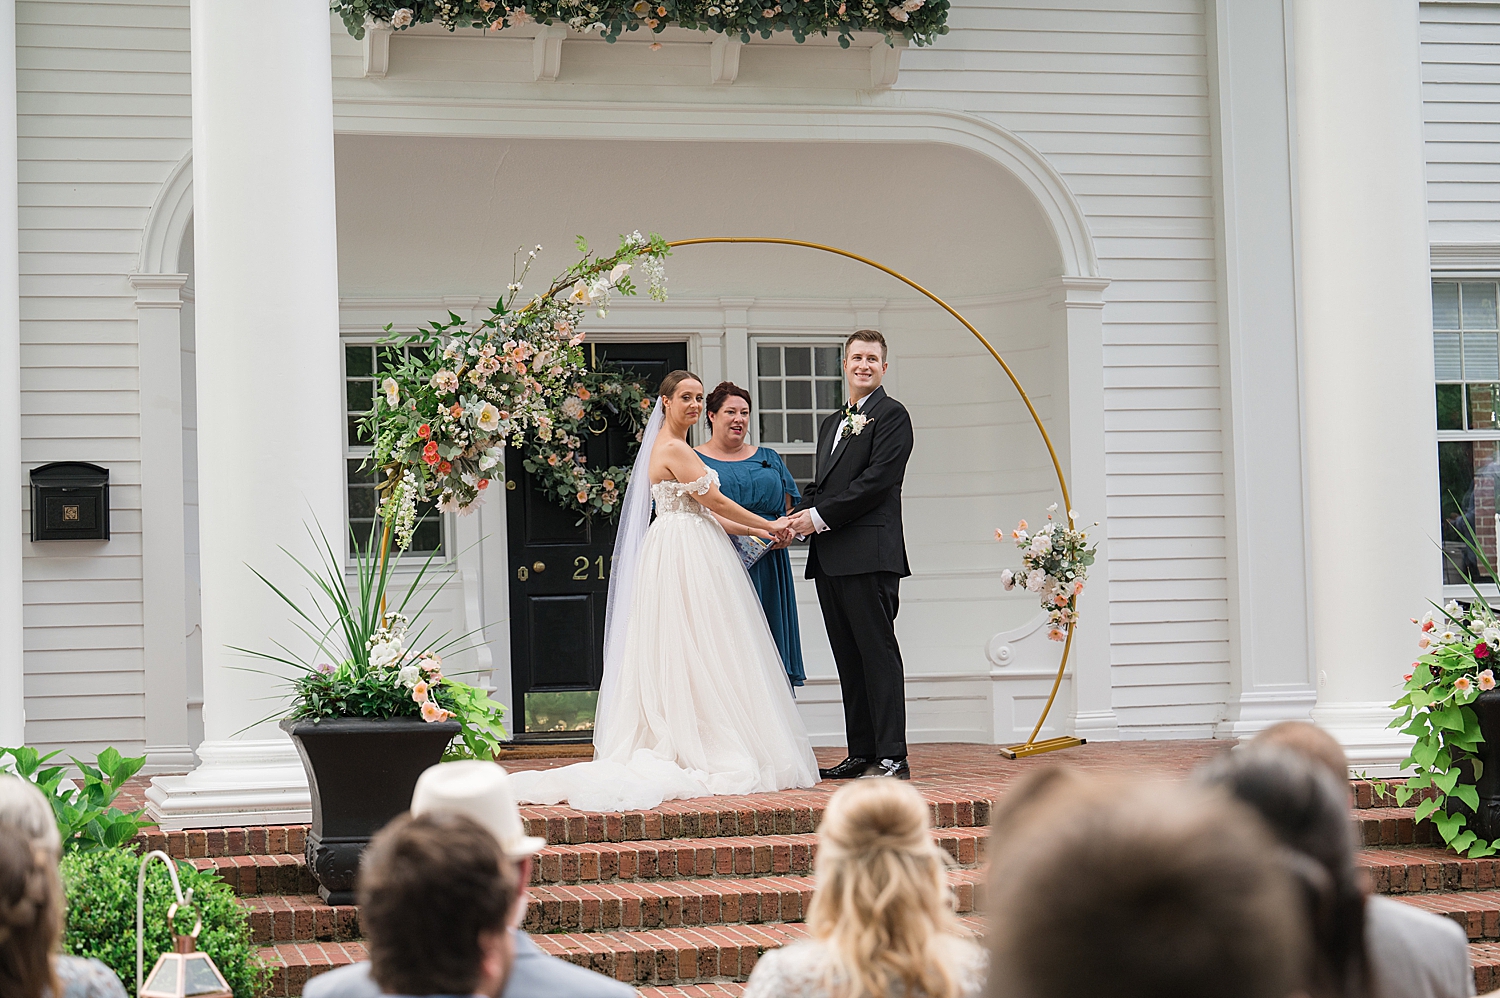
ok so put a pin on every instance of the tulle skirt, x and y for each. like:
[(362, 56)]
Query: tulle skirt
[(702, 705)]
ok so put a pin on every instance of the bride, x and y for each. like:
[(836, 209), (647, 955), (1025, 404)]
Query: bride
[(694, 699)]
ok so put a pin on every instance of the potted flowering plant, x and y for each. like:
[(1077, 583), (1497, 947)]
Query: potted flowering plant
[(1055, 565)]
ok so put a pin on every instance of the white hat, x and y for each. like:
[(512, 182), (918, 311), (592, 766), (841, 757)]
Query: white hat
[(477, 790)]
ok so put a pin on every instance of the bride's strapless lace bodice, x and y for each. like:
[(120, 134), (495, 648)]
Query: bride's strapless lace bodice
[(681, 497)]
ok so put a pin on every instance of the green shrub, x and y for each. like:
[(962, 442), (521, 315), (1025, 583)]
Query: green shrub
[(86, 815), (100, 885)]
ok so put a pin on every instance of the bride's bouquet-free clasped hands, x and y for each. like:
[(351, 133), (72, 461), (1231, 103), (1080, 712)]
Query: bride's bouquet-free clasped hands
[(1055, 565)]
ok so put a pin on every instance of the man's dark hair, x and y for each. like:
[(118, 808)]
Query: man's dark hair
[(428, 888), (867, 336), (1166, 892)]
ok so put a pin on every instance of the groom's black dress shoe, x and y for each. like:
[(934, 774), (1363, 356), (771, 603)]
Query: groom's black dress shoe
[(849, 769), (894, 768)]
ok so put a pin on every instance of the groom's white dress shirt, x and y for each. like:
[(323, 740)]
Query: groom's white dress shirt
[(838, 438)]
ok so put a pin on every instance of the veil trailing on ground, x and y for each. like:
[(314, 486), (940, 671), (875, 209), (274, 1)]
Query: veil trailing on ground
[(635, 517)]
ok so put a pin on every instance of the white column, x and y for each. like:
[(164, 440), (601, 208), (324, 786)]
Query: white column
[(1270, 654), (1367, 351), (270, 414), (1082, 451), (158, 306), (12, 523)]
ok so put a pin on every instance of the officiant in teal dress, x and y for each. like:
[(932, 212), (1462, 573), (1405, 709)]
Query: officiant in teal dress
[(757, 479)]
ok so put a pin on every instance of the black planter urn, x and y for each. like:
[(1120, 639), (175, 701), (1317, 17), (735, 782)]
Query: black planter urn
[(1485, 824), (361, 772)]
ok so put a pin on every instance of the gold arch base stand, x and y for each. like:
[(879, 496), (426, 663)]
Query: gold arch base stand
[(1030, 746)]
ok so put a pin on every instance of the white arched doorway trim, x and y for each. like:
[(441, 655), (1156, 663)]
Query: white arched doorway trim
[(519, 119), (171, 217)]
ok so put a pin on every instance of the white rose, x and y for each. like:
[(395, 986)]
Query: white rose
[(1041, 544), (911, 5), (899, 13), (402, 18), (1035, 579), (489, 459), (385, 653), (410, 675), (1008, 579)]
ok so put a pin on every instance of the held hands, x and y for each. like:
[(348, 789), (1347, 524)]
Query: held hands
[(801, 523), (781, 531)]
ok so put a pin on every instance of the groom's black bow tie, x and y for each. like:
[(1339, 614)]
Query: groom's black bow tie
[(851, 409)]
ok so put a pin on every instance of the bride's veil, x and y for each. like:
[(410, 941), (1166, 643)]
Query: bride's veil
[(635, 517)]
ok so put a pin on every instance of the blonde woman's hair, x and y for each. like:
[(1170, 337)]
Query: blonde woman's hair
[(24, 810), (882, 905)]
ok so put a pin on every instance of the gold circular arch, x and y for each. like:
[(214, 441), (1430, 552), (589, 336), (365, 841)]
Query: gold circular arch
[(1031, 746)]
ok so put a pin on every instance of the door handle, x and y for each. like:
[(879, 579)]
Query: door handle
[(538, 566)]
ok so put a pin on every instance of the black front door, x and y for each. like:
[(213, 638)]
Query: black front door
[(559, 576)]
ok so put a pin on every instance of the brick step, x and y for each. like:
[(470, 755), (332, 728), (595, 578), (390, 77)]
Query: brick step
[(1365, 796), (793, 812), (1393, 826), (725, 856), (300, 918), (201, 843), (583, 908), (1477, 912), (1420, 870), (1485, 959), (724, 989), (253, 875), (666, 958)]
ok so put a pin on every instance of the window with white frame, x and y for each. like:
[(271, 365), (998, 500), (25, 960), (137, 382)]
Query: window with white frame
[(796, 385), (1466, 351), (364, 365)]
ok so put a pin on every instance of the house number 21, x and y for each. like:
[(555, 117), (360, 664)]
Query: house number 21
[(581, 568)]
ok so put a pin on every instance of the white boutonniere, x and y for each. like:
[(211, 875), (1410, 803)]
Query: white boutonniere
[(855, 422)]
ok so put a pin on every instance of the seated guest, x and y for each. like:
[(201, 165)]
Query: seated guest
[(481, 791), (1308, 812), (1412, 953), (31, 905), (435, 901), (881, 921), (1138, 892)]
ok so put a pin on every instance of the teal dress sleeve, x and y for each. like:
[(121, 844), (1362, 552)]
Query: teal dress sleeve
[(788, 484)]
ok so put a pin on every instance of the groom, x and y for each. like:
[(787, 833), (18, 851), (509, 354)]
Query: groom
[(857, 555)]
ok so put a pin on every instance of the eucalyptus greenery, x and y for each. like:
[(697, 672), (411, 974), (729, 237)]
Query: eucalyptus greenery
[(919, 21), (86, 816), (366, 662)]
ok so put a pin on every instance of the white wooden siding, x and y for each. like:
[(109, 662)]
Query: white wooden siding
[(1461, 101), (103, 115)]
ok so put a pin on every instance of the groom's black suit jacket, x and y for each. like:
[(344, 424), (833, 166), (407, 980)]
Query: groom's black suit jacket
[(858, 493)]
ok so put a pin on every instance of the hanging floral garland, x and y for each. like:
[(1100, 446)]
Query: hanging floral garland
[(555, 456), (461, 394), (918, 21)]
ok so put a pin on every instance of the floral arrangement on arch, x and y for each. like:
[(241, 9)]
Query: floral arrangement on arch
[(462, 393), (919, 21), (1055, 565), (558, 465)]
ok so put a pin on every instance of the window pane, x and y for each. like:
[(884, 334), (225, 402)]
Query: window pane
[(799, 394), (770, 427), (359, 362), (769, 360), (1450, 407), (1481, 357), (429, 533), (1468, 472), (1444, 305), (358, 434), (361, 503), (798, 361), (1479, 305), (826, 360), (770, 395), (830, 395), (1446, 357), (387, 359), (1482, 400), (361, 395), (800, 465), (356, 475), (799, 428)]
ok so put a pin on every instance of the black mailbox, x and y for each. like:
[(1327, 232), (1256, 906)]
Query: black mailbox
[(70, 502)]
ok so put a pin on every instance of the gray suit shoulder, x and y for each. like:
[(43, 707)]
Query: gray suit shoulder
[(1415, 953), (534, 973)]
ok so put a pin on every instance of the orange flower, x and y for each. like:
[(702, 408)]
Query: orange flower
[(419, 692), (583, 495), (432, 712), (552, 460), (456, 411), (584, 393)]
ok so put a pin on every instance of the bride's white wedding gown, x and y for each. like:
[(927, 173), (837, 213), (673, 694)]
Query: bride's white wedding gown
[(701, 704)]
